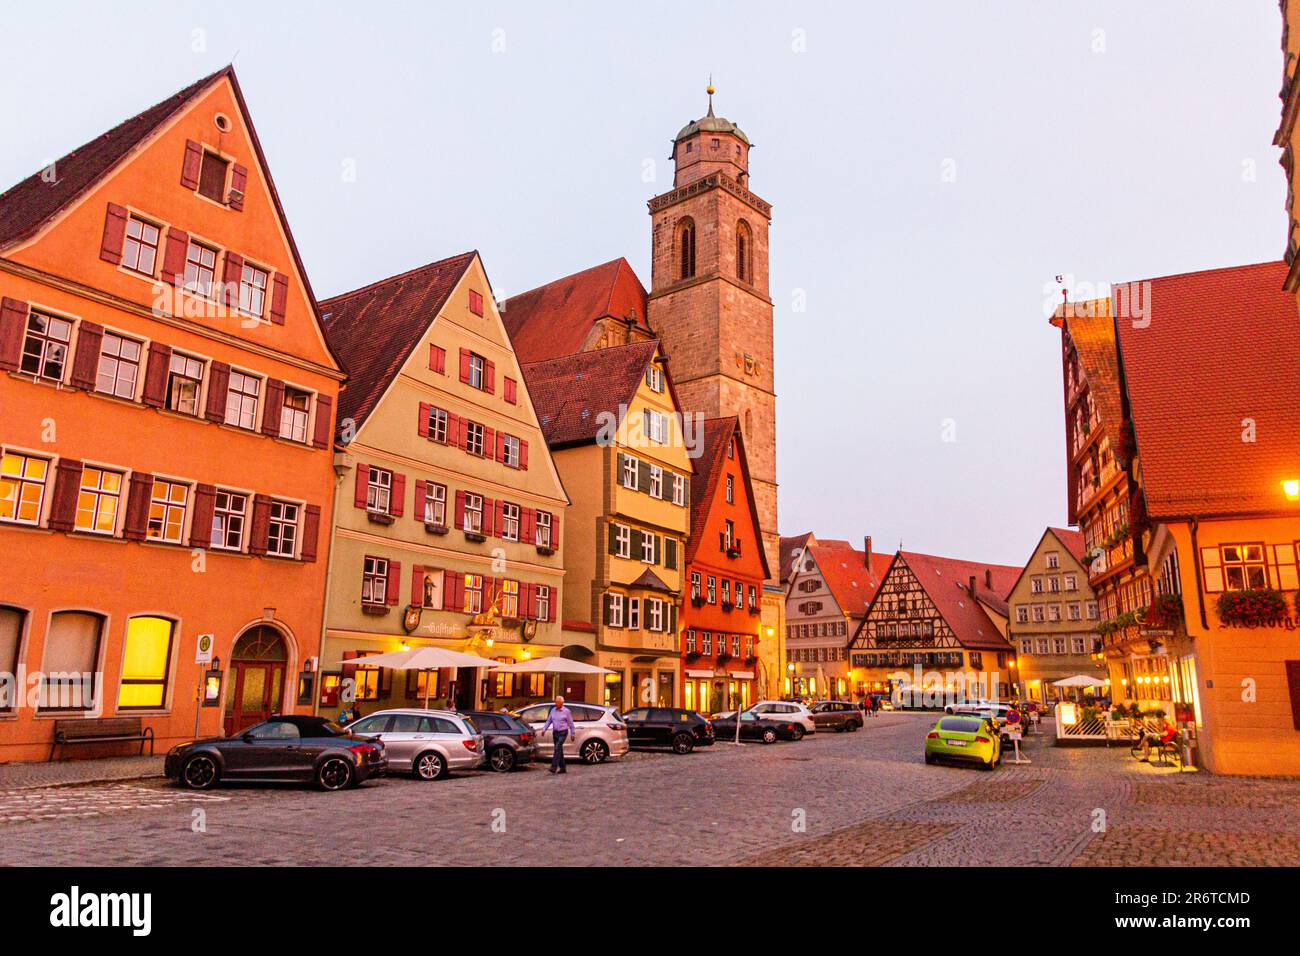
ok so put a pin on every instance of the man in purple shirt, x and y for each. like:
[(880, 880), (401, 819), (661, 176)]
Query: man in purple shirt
[(560, 722)]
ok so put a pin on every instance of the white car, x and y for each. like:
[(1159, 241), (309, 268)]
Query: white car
[(781, 710), (967, 705)]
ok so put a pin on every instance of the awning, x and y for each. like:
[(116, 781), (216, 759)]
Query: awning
[(743, 675), (691, 673)]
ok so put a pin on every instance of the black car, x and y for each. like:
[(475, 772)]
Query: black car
[(682, 730), (507, 740), (752, 727), (284, 748)]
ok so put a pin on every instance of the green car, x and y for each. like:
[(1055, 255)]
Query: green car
[(971, 739)]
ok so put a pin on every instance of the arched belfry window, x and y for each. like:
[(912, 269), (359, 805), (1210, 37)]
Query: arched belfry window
[(744, 252), (686, 248)]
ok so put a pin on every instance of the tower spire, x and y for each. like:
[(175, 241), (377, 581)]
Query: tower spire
[(710, 91)]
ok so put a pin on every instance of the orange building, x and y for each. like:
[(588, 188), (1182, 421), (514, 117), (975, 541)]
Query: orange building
[(1205, 434), (726, 565), (168, 403)]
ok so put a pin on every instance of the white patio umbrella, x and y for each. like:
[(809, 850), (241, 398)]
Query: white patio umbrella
[(421, 659), (551, 665), (1079, 680)]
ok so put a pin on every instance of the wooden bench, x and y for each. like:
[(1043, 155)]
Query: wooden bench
[(100, 730)]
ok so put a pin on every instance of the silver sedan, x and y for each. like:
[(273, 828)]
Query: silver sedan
[(426, 743)]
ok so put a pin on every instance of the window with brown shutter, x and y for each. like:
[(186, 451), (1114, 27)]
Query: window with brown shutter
[(274, 403), (85, 365), (279, 298), (174, 254), (156, 375), (137, 507), (13, 323), (212, 177), (310, 532), (204, 508), (238, 184), (261, 524), (110, 247), (324, 426), (218, 386), (191, 165), (67, 488)]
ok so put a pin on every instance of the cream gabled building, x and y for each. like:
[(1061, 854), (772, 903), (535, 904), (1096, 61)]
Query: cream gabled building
[(612, 420), (1053, 617), (450, 513)]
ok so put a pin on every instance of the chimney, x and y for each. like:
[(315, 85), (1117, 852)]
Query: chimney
[(988, 578), (972, 585), (866, 546)]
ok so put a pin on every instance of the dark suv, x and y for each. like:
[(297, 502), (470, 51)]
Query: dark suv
[(507, 741), (682, 730), (836, 715)]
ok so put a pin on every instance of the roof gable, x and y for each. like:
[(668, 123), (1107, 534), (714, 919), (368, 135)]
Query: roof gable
[(556, 319), (851, 579), (946, 582), (718, 434), (375, 328)]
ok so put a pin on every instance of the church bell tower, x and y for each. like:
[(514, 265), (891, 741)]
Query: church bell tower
[(709, 300)]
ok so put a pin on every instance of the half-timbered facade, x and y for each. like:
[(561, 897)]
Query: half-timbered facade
[(168, 401), (928, 616), (448, 528)]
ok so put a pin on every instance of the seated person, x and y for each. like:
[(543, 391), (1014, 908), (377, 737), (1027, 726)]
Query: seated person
[(1167, 733)]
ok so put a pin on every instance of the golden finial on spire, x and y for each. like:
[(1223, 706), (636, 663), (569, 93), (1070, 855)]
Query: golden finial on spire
[(709, 89)]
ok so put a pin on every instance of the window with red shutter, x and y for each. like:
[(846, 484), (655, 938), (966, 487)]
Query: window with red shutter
[(464, 365), (508, 388), (475, 302), (362, 486), (437, 359), (394, 583), (397, 503)]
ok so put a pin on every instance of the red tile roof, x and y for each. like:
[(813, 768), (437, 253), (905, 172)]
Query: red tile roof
[(844, 568), (947, 583), (790, 547), (555, 319), (1216, 348), (571, 392), (373, 329), (26, 207), (715, 440)]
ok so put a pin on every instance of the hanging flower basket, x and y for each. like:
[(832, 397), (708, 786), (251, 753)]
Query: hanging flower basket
[(1166, 611), (1258, 608)]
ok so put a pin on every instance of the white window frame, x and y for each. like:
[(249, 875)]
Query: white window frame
[(510, 521), (630, 468), (623, 540), (287, 516), (679, 489), (224, 519), (379, 491)]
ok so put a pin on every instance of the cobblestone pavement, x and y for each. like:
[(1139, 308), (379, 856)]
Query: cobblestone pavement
[(833, 799)]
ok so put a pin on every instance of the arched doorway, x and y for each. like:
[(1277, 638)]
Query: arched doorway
[(257, 666)]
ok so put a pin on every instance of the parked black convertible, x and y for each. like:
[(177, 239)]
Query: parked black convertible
[(290, 748), (754, 727)]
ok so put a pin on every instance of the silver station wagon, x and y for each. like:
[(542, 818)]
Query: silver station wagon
[(599, 732), (426, 743)]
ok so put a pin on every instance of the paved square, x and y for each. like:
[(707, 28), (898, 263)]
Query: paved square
[(833, 799)]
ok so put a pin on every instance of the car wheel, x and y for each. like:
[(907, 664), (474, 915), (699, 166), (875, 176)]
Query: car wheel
[(769, 735), (989, 764), (501, 759), (334, 773), (931, 758), (797, 733), (200, 773), (854, 726), (594, 751), (683, 744), (430, 765)]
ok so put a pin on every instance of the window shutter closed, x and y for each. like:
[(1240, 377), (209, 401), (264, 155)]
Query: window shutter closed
[(13, 323), (489, 442), (324, 421), (272, 407), (489, 517), (527, 525), (452, 589), (178, 243), (464, 365), (279, 297), (523, 455), (136, 525), (363, 482), (86, 364), (218, 386), (67, 488), (155, 375), (190, 167), (489, 377), (261, 524), (397, 500), (110, 247), (555, 532), (453, 429), (349, 670), (499, 519), (613, 538), (437, 359), (609, 605), (417, 585), (499, 451), (205, 498), (670, 554), (234, 271), (421, 495), (643, 476), (310, 532), (393, 586), (460, 510), (238, 183), (508, 388), (422, 423)]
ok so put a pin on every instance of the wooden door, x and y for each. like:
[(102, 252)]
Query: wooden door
[(255, 694)]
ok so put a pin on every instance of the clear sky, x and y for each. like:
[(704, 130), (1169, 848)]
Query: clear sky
[(932, 166)]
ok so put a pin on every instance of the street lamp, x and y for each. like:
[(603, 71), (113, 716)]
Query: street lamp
[(1291, 488)]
